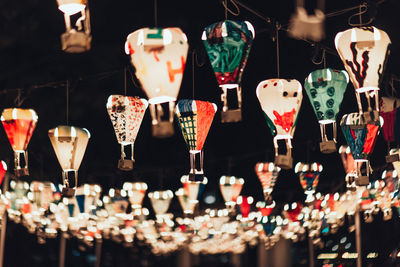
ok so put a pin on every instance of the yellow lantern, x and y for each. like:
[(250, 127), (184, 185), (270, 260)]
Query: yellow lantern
[(69, 144), (77, 38)]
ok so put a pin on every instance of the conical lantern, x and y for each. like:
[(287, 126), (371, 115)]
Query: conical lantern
[(160, 201), (228, 46), (136, 193), (230, 187), (361, 137), (19, 125), (69, 144), (159, 57), (267, 173), (126, 114), (76, 38), (325, 89), (193, 189), (195, 118), (87, 196), (280, 100), (186, 203), (309, 177), (364, 52), (349, 166), (389, 110), (244, 203)]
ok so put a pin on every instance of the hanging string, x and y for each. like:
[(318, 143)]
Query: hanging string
[(155, 14), (324, 57), (18, 101), (362, 9), (125, 81), (67, 100), (225, 4), (193, 55), (277, 50)]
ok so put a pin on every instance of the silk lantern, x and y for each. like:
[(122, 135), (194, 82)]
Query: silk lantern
[(280, 99), (267, 173), (77, 38), (361, 137), (195, 118), (364, 52), (69, 144), (325, 89), (126, 114), (19, 125), (159, 57), (228, 45)]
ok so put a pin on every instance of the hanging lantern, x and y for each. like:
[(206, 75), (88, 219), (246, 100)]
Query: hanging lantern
[(69, 144), (364, 52), (391, 182), (244, 203), (325, 89), (19, 125), (349, 166), (126, 114), (360, 136), (195, 118), (159, 57), (193, 189), (264, 208), (160, 201), (389, 108), (228, 46), (230, 187), (76, 38), (280, 100), (309, 177), (267, 173), (186, 203), (3, 170), (87, 196), (136, 193)]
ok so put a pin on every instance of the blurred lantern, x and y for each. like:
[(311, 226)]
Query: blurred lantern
[(136, 193), (193, 189), (325, 89), (19, 125), (267, 172), (230, 187), (159, 57), (3, 170), (364, 52), (244, 203), (391, 182), (87, 196), (69, 144), (349, 166), (264, 208), (160, 201), (186, 203), (116, 201), (195, 118), (280, 100), (309, 177), (395, 152), (126, 114), (228, 46), (76, 39), (389, 108), (361, 137)]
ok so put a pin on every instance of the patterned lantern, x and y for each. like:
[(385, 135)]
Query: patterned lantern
[(193, 189), (160, 201), (159, 57), (195, 118), (19, 125), (390, 112), (280, 100), (76, 38), (136, 193), (267, 173), (69, 144), (309, 177), (126, 114), (186, 203), (230, 187), (228, 46), (360, 136), (325, 89), (364, 52)]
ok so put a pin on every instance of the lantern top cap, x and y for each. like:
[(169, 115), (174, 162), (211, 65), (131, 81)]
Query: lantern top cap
[(71, 7)]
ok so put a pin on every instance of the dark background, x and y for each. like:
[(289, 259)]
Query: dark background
[(32, 63)]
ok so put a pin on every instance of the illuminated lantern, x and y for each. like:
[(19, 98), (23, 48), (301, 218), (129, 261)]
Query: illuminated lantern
[(160, 201), (267, 173), (230, 187), (69, 144), (349, 166), (42, 193), (309, 177), (19, 125), (389, 108), (87, 196), (159, 57), (195, 118), (244, 203), (3, 170), (193, 189), (228, 46), (116, 202), (126, 114), (361, 137), (265, 209), (186, 203), (76, 38), (391, 182), (136, 193), (325, 89), (280, 100), (364, 52)]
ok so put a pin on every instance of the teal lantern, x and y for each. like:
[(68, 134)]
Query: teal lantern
[(228, 45), (325, 89)]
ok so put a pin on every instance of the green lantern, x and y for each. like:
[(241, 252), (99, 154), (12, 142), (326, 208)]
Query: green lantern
[(325, 89)]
